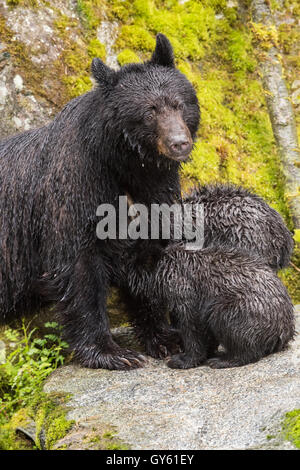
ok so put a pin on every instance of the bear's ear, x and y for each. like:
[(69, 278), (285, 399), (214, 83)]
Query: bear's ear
[(163, 53), (100, 71)]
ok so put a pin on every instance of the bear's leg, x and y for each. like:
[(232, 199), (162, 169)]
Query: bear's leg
[(238, 332), (225, 361), (151, 326), (195, 341), (82, 289), (173, 319), (212, 345)]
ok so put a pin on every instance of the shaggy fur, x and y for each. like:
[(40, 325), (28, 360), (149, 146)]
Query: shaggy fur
[(220, 296), (103, 144), (235, 217)]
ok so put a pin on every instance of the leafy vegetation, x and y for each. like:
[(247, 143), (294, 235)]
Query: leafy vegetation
[(29, 360)]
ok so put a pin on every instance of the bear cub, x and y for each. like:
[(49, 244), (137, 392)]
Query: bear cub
[(218, 296), (236, 217)]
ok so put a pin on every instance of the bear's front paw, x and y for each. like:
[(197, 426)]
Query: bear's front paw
[(164, 343), (120, 359), (185, 361)]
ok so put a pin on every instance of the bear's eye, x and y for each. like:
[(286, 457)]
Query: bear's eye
[(179, 106), (149, 116)]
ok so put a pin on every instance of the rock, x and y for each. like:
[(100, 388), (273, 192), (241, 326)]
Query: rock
[(295, 85), (295, 96), (26, 102), (18, 82), (19, 110), (28, 430), (160, 408), (3, 93), (107, 33)]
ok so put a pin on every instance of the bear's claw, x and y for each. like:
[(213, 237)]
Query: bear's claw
[(122, 359)]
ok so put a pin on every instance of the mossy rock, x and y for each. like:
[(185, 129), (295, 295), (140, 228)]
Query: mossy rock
[(10, 439), (291, 427), (128, 56), (49, 413)]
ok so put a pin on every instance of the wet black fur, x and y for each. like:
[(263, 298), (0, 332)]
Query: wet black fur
[(220, 296), (235, 217), (100, 146)]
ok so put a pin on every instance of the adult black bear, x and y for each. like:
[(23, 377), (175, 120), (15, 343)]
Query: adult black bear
[(128, 135)]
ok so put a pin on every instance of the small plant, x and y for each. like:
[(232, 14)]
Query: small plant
[(29, 361)]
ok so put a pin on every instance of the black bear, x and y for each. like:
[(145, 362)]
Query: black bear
[(219, 296), (235, 217), (128, 135)]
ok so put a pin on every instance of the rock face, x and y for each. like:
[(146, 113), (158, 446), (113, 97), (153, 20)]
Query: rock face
[(160, 408)]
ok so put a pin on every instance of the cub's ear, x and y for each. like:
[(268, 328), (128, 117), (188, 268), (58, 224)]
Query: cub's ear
[(101, 72), (163, 53)]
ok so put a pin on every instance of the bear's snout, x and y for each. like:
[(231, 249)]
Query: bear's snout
[(180, 146), (174, 137)]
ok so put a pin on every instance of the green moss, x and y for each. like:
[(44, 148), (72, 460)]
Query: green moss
[(143, 8), (63, 447), (293, 6), (297, 236), (91, 12), (63, 24), (96, 49), (111, 442), (291, 276), (20, 418), (135, 37), (288, 37), (127, 56), (49, 414), (291, 427), (24, 3), (188, 26), (204, 164), (32, 73), (74, 59), (50, 417), (289, 40), (120, 11), (265, 35), (98, 439), (77, 85), (76, 56), (239, 47), (9, 439)]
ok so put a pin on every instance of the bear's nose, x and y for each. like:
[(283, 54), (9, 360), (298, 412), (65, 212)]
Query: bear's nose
[(180, 146)]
